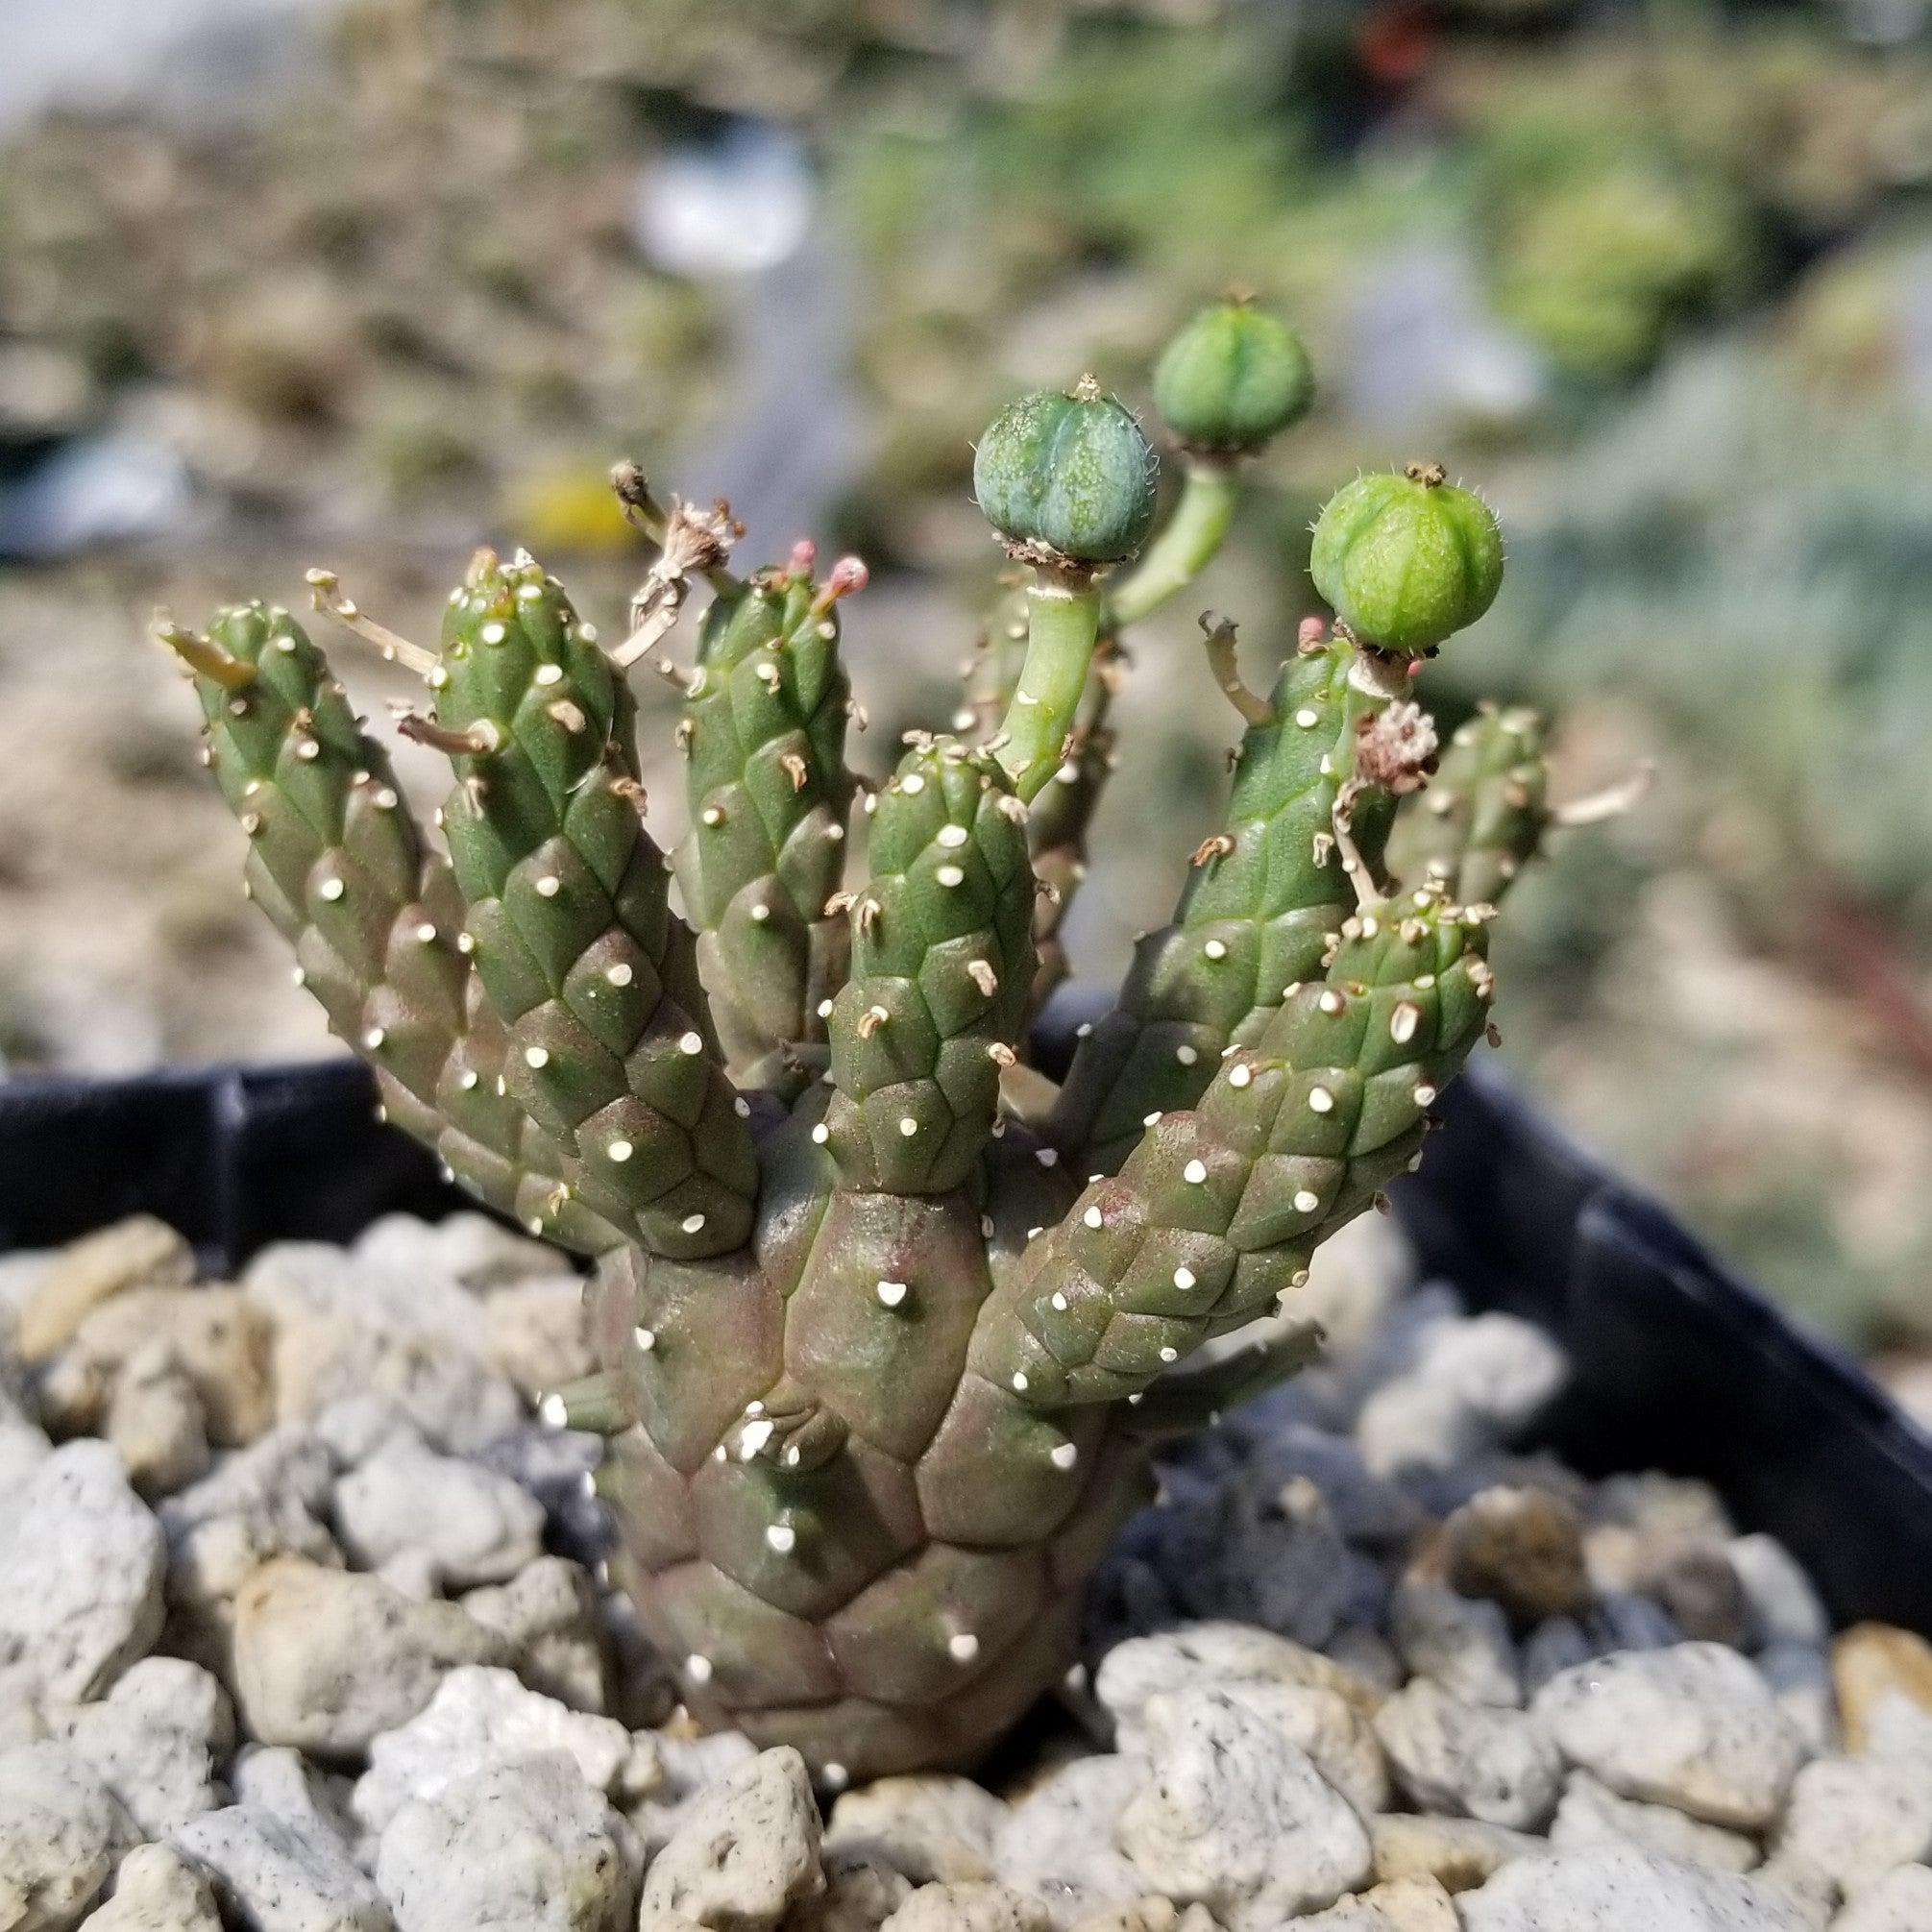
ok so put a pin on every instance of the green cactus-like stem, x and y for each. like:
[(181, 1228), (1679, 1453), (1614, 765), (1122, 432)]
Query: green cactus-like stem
[(570, 921), (942, 966), (1059, 824), (1063, 626), (1265, 895), (1217, 1209), (1485, 814), (1191, 540), (764, 731), (336, 862)]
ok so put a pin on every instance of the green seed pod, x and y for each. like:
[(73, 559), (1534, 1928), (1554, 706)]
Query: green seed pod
[(1405, 560), (1234, 377), (1068, 476)]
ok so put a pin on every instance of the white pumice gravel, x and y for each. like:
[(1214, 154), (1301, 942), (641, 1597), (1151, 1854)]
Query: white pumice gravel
[(302, 1629)]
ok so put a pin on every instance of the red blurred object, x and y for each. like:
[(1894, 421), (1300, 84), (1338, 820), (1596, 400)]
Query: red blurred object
[(1396, 43)]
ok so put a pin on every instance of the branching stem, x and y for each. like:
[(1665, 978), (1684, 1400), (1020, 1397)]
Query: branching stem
[(1185, 548), (1063, 626)]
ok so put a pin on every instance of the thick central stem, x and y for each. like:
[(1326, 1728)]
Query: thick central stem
[(1063, 623), (1184, 549)]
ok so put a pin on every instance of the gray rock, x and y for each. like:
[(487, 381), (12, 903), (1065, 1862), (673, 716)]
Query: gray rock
[(1618, 1889), (1799, 1677), (1551, 1647), (156, 1889), (933, 1828), (548, 1614), (1058, 1844), (1901, 1901), (327, 1661), (1783, 1606), (475, 1526), (554, 1465), (1694, 1728), (266, 1500), (1593, 1813), (1470, 1760), (61, 1833), (1853, 1818), (1461, 1643), (1469, 1383), (269, 1876), (968, 1907), (525, 1845), (157, 1742), (81, 1567), (479, 1718), (746, 1852), (1235, 1818)]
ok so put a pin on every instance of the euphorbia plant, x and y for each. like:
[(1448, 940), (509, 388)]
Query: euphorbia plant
[(888, 1319)]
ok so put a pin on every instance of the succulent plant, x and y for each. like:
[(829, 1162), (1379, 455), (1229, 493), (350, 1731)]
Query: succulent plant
[(888, 1321)]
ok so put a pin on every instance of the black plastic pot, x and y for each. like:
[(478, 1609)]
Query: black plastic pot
[(1677, 1364)]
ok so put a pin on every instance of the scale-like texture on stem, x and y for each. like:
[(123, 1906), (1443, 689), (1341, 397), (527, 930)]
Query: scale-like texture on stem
[(769, 796), (570, 923), (1217, 1209), (1254, 916), (943, 965), (340, 867), (1484, 812)]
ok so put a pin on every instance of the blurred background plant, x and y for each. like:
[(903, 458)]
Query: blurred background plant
[(288, 282)]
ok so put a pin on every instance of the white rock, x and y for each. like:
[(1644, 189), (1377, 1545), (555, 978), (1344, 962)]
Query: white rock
[(1215, 1653), (968, 1907), (213, 1335), (325, 1660), (1320, 1722), (480, 1718), (1619, 1889), (1461, 1643), (1901, 1901), (1470, 1760), (81, 1567), (354, 1427), (1457, 1852), (157, 1742), (468, 1248), (1057, 1842), (548, 1614), (474, 1525), (315, 1802), (157, 1423), (856, 1898), (746, 1852), (689, 1768), (347, 1326), (1853, 1818), (1408, 1905), (1693, 1727), (91, 1271), (270, 1876), (1237, 1819), (1784, 1606), (527, 1845), (1591, 1813), (156, 1889), (268, 1499), (61, 1834), (537, 1332), (23, 1443), (934, 1830)]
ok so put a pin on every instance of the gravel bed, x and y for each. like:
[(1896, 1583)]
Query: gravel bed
[(303, 1628)]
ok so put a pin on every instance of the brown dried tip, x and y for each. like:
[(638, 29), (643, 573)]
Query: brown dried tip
[(1395, 747), (1430, 475), (697, 540)]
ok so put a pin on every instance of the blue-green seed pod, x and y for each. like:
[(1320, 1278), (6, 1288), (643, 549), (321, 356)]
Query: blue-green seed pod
[(1234, 377), (1068, 474), (1405, 560)]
